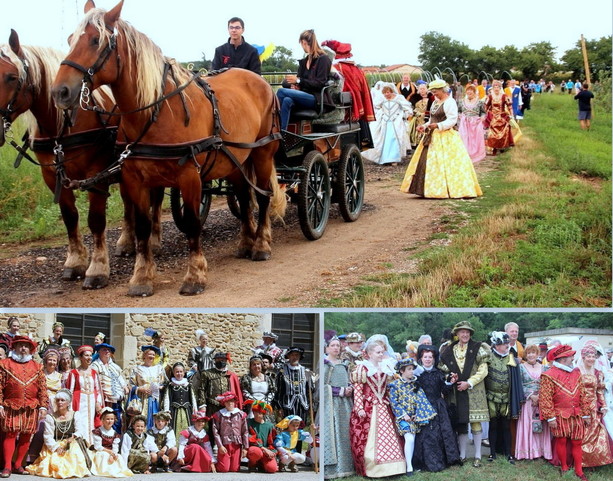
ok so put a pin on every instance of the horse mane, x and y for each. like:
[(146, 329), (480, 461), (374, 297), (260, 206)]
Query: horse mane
[(147, 55)]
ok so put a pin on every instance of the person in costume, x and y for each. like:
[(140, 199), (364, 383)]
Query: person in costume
[(526, 95), (352, 353), (269, 346), (236, 52), (257, 385), (53, 377), (23, 402), (216, 381), (288, 443), (389, 131), (338, 403), (179, 399), (565, 406), (13, 326), (195, 452), (165, 441), (410, 406), (138, 449), (441, 167), (87, 398), (375, 445), (483, 89), (99, 338), (261, 453), (533, 439), (405, 87), (435, 444), (513, 91), (106, 460), (472, 114), (293, 385), (596, 445), (114, 386), (200, 358), (504, 393), (64, 453), (147, 382), (497, 120), (162, 356), (66, 363), (422, 102), (469, 360), (303, 90), (56, 340), (229, 427), (4, 350)]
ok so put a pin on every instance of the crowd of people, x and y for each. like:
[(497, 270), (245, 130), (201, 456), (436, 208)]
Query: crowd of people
[(79, 415), (390, 414)]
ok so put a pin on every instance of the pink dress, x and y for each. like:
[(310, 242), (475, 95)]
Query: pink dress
[(471, 128), (528, 444)]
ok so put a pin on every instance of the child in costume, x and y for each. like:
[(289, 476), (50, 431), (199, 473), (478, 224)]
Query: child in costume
[(106, 460), (195, 452), (288, 443), (261, 453), (137, 448), (229, 427), (410, 406), (165, 441), (179, 399)]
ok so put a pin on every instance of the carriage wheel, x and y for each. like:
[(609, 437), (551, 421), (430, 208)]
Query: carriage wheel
[(176, 206), (233, 205), (349, 183), (314, 196)]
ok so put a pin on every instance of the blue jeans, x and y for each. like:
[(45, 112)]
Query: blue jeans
[(290, 97)]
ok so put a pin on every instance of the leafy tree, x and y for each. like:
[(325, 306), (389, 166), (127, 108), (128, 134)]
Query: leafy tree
[(438, 50), (280, 61), (599, 57)]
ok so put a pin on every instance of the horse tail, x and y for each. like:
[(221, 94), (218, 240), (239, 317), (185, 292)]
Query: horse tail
[(278, 201)]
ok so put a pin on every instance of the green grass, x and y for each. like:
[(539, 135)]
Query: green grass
[(501, 470), (540, 236)]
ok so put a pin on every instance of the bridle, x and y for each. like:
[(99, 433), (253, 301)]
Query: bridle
[(10, 107)]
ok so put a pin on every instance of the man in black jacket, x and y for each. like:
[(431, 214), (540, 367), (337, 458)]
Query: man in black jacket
[(236, 52)]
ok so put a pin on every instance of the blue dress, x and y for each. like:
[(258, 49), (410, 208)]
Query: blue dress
[(406, 398)]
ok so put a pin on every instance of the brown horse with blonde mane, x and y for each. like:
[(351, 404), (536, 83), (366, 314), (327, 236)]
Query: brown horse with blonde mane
[(87, 140), (178, 130)]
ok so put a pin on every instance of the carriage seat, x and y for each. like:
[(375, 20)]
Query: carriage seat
[(311, 114)]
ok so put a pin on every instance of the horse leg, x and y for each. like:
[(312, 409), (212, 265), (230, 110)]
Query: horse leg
[(141, 283), (157, 197), (97, 275), (195, 277), (76, 260), (126, 244), (247, 233)]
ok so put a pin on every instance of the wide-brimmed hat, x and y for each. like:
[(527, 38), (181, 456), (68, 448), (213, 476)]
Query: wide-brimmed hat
[(226, 396), (104, 345), (200, 416), (294, 349), (342, 49), (263, 356), (354, 337), (24, 340), (561, 351), (270, 334), (499, 337), (463, 325), (407, 361), (439, 83), (151, 348)]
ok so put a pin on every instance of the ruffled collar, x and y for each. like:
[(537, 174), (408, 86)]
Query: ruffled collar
[(371, 369), (199, 434), (164, 430), (20, 359), (182, 382), (225, 412), (563, 367), (107, 432), (352, 352)]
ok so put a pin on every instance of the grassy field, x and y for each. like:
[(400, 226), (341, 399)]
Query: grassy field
[(501, 470), (540, 236)]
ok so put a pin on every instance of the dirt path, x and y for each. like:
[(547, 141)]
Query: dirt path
[(299, 273)]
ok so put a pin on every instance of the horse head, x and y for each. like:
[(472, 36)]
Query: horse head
[(93, 59)]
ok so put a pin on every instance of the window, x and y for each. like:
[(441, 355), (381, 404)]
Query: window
[(80, 329), (299, 330)]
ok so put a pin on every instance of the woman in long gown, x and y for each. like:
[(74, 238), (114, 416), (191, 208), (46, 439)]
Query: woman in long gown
[(472, 113), (498, 120), (258, 385), (530, 444), (389, 131), (421, 102), (147, 382), (375, 445), (179, 400), (435, 445), (441, 167), (64, 453), (338, 394), (596, 443), (87, 399)]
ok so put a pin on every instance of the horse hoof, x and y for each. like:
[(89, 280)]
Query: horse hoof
[(73, 273), (124, 251), (140, 291), (260, 256), (243, 253), (95, 282), (191, 289)]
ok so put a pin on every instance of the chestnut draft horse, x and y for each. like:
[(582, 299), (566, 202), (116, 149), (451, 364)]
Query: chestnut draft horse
[(177, 130), (66, 149)]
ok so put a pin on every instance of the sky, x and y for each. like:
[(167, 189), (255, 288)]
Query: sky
[(386, 35)]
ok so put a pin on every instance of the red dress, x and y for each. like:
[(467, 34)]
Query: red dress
[(198, 453), (596, 445)]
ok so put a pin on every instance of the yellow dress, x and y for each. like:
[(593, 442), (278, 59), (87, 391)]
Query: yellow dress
[(441, 167), (73, 463)]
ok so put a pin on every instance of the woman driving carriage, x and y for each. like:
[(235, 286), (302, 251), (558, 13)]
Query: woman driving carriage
[(304, 89)]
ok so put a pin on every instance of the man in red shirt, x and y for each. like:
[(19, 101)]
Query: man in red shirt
[(23, 392)]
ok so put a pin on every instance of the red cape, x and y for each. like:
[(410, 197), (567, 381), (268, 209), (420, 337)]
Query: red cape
[(355, 82)]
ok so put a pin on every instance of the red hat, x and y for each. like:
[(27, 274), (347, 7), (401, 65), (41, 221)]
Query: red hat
[(558, 352), (227, 396), (84, 348), (343, 50), (200, 416), (23, 339)]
